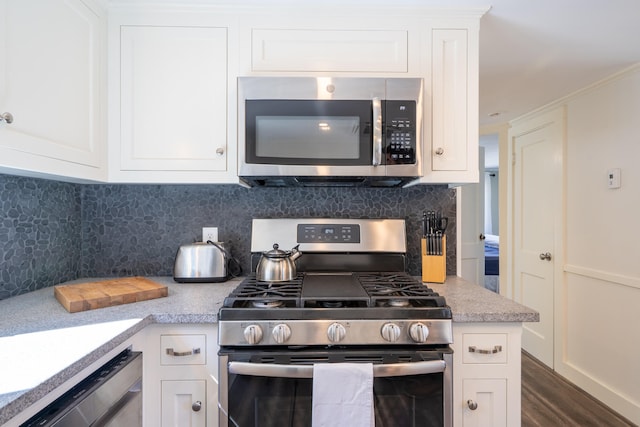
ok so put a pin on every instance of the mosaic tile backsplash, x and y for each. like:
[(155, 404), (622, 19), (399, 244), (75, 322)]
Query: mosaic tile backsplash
[(52, 232), (40, 234)]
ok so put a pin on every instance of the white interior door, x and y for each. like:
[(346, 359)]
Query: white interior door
[(470, 212), (537, 208)]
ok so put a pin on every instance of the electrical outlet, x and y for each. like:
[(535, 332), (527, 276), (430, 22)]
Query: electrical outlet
[(209, 233)]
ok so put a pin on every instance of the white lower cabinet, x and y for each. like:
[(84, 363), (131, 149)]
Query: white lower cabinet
[(184, 403), (180, 386), (486, 372), (486, 402)]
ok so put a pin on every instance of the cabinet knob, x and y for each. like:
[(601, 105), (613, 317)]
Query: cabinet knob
[(439, 151), (220, 151), (196, 406), (7, 117), (472, 405)]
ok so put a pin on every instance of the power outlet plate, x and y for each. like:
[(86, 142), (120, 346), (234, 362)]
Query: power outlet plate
[(209, 233)]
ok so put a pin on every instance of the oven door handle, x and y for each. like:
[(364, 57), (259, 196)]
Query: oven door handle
[(306, 371)]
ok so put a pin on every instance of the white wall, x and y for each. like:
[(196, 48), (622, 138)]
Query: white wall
[(600, 331)]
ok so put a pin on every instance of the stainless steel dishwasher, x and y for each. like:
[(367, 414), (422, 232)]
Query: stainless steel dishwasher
[(110, 396)]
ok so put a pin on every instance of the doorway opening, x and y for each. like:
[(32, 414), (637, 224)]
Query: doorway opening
[(491, 227)]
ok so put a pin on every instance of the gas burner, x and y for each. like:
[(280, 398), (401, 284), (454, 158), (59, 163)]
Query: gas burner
[(331, 304), (398, 303), (267, 304)]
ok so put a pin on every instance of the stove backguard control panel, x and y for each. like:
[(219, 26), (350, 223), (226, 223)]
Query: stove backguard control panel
[(328, 233)]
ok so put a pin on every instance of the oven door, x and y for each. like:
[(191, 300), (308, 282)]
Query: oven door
[(274, 388)]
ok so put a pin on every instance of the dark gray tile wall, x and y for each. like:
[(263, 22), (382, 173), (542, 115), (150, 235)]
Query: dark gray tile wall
[(51, 232), (40, 234)]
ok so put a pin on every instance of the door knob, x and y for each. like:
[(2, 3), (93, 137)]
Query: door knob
[(546, 256), (6, 117), (482, 236), (197, 405), (472, 405)]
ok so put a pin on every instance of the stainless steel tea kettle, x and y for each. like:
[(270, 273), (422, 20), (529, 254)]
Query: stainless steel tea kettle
[(277, 265)]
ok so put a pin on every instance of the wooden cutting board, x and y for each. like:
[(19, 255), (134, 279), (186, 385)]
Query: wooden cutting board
[(107, 293)]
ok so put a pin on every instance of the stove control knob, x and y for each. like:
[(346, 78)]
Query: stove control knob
[(336, 332), (390, 332), (253, 334), (281, 333), (419, 332)]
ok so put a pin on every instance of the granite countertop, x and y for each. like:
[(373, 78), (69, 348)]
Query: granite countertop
[(35, 324)]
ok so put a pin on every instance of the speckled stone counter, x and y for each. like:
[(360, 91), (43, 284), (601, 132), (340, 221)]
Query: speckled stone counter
[(470, 302), (29, 320), (42, 345)]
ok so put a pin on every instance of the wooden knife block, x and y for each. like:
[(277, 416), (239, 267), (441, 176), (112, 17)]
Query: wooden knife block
[(434, 267)]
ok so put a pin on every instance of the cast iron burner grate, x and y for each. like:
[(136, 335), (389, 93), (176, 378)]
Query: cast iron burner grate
[(259, 294), (378, 290), (396, 289)]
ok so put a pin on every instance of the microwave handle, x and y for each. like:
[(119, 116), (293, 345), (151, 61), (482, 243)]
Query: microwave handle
[(377, 132), (306, 371)]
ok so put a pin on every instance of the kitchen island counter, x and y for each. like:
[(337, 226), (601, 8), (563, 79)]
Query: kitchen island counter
[(36, 330)]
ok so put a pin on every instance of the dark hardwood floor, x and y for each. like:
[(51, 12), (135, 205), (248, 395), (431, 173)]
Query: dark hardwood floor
[(548, 400)]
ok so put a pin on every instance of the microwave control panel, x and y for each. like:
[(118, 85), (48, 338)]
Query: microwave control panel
[(400, 132)]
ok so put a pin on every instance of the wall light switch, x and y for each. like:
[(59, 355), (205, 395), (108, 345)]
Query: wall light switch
[(613, 178)]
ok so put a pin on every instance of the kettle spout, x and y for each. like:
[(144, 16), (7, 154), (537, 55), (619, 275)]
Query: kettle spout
[(295, 253)]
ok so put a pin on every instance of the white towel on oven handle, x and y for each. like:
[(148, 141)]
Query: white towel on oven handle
[(343, 395)]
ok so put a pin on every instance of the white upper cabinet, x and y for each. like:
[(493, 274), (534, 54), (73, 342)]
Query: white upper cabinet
[(52, 81), (439, 46), (170, 107), (451, 155), (361, 51), (169, 113)]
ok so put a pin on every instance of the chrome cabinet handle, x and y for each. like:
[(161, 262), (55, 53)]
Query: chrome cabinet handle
[(306, 371), (472, 405), (171, 352), (196, 406), (439, 151), (7, 117), (546, 256), (494, 350), (377, 132)]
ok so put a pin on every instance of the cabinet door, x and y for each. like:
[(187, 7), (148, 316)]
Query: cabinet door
[(173, 107), (184, 403), (454, 135), (485, 402), (52, 83), (366, 51)]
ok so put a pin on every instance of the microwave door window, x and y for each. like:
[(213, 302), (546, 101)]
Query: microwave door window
[(297, 137), (308, 132)]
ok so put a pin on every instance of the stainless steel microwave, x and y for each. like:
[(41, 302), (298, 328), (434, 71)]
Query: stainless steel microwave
[(323, 131)]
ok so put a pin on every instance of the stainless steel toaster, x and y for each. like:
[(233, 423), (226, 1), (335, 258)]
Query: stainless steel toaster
[(201, 263)]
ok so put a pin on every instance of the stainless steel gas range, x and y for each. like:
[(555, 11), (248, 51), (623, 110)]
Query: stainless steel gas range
[(350, 301)]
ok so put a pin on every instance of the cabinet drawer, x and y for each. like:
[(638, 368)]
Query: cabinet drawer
[(484, 348), (183, 349)]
